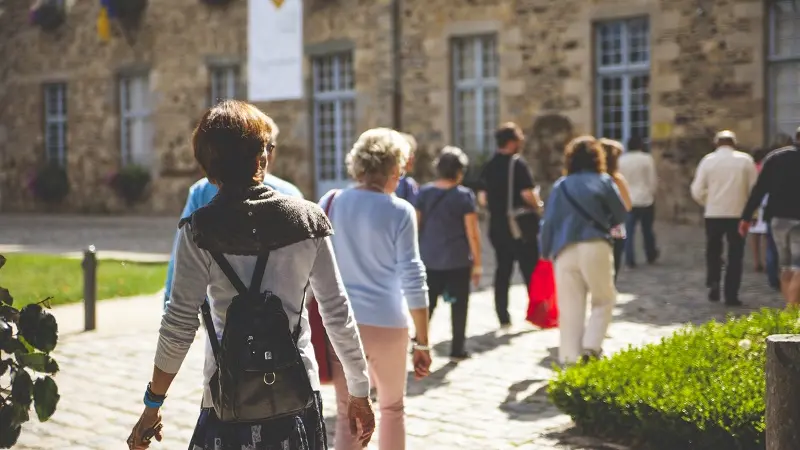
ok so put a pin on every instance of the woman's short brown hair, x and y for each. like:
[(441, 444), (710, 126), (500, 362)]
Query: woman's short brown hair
[(613, 150), (584, 153), (230, 142)]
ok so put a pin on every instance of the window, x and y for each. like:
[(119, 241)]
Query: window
[(224, 83), (135, 127), (623, 79), (784, 68), (334, 117), (55, 123), (475, 65)]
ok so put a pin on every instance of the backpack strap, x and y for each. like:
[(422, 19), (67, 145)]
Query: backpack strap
[(230, 274), (296, 331)]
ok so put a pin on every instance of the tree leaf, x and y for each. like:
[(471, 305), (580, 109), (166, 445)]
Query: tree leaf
[(5, 297), (9, 432), (21, 388), (40, 362), (2, 261), (9, 313), (45, 395), (19, 414), (4, 365)]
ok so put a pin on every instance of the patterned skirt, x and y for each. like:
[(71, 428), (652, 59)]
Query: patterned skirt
[(304, 432)]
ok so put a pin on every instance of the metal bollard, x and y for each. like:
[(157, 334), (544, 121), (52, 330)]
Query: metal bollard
[(89, 288)]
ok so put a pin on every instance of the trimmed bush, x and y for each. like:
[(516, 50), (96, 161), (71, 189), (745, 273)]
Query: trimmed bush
[(701, 389)]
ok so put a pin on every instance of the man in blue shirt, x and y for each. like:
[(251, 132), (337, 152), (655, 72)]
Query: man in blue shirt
[(203, 191), (407, 188)]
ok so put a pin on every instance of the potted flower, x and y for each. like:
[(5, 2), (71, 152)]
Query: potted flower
[(130, 182), (48, 14), (50, 183), (27, 336)]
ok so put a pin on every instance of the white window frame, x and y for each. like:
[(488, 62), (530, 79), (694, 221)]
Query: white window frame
[(479, 84), (57, 119), (773, 62), (225, 77), (135, 118), (340, 96), (625, 70)]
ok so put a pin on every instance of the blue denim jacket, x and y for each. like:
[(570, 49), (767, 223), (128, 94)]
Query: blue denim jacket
[(201, 193), (563, 224)]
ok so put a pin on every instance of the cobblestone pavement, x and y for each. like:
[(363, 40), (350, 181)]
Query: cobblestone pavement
[(496, 400)]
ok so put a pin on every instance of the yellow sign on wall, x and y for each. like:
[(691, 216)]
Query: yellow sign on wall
[(661, 130)]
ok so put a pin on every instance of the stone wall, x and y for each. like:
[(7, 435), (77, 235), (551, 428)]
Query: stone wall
[(707, 73)]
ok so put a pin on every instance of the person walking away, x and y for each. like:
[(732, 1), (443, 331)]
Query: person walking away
[(612, 150), (203, 191), (450, 241), (288, 249), (494, 194), (758, 232), (407, 188), (576, 234), (639, 170), (722, 184), (779, 181), (377, 246)]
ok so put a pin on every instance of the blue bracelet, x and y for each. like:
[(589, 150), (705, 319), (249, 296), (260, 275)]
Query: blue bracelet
[(151, 403)]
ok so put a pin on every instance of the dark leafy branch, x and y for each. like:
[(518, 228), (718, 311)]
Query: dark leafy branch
[(27, 337)]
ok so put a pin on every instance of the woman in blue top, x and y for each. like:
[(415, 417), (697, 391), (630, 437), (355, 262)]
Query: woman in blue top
[(582, 209), (450, 240), (375, 240)]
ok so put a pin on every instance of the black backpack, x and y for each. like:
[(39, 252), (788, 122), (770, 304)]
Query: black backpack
[(260, 375)]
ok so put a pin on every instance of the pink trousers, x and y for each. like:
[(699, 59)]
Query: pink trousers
[(387, 356)]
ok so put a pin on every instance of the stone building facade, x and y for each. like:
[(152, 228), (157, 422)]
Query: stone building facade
[(446, 71)]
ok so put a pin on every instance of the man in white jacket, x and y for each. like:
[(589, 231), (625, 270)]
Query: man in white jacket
[(639, 170), (722, 184)]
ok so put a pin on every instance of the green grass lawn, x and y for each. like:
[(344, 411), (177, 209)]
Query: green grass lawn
[(32, 278)]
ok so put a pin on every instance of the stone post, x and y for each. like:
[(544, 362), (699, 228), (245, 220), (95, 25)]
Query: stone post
[(783, 392)]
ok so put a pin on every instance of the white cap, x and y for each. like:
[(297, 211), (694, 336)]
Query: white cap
[(725, 134)]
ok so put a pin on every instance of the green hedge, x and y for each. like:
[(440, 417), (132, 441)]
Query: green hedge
[(700, 389)]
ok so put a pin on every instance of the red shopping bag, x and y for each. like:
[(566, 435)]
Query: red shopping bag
[(319, 340), (542, 300)]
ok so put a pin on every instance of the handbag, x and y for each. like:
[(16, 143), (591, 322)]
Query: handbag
[(319, 337), (542, 298), (523, 222)]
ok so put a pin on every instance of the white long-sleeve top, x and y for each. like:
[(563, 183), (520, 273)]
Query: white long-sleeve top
[(723, 181), (287, 272), (639, 170)]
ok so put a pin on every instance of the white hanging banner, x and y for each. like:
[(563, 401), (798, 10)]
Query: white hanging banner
[(274, 50)]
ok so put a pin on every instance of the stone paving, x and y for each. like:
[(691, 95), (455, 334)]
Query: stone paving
[(496, 400)]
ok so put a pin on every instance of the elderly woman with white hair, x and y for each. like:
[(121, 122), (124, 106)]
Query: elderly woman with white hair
[(378, 255)]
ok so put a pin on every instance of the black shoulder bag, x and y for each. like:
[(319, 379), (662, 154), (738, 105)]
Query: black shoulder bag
[(260, 375)]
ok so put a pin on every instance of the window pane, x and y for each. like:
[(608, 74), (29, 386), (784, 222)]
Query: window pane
[(786, 29), (348, 109), (465, 122), (346, 79), (489, 57), (610, 39), (324, 74), (490, 119), (638, 41), (611, 107), (464, 58), (785, 98), (640, 106)]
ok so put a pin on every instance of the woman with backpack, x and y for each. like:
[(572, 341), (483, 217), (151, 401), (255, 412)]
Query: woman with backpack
[(378, 254), (261, 385), (450, 241)]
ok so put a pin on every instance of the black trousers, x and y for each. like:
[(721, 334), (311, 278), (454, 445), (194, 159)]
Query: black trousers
[(506, 252), (456, 284), (718, 230), (619, 248)]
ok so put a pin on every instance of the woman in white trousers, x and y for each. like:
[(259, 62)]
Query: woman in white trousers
[(582, 208)]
